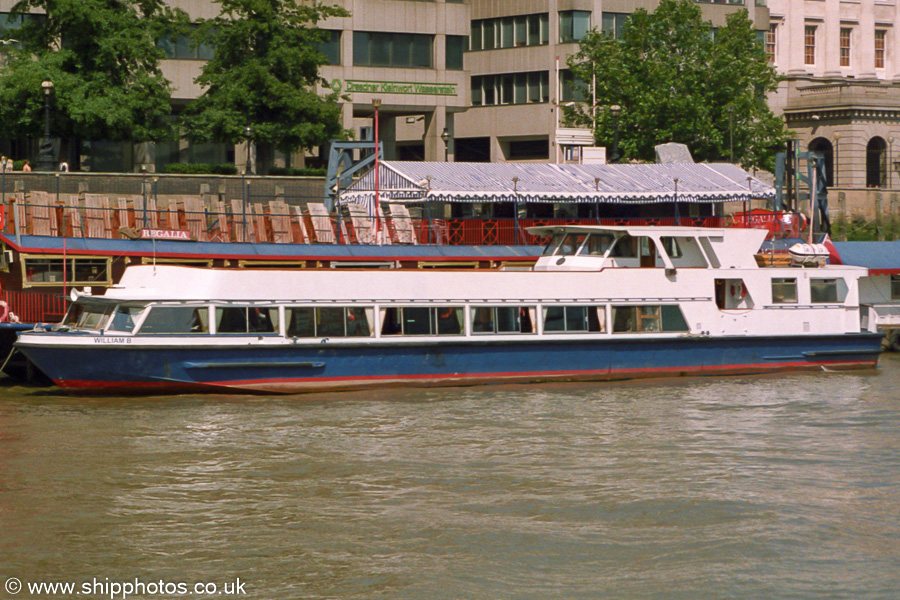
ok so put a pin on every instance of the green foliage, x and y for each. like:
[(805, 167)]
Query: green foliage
[(858, 229), (264, 74), (675, 82), (297, 172), (102, 59), (201, 169)]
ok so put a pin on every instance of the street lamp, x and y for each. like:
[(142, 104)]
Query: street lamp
[(615, 110), (46, 161), (445, 137), (376, 102), (249, 167)]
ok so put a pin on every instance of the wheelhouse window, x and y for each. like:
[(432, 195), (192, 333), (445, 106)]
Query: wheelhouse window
[(648, 319), (125, 318), (625, 247), (87, 317), (246, 319), (784, 290), (569, 319), (176, 319), (503, 319), (825, 290), (597, 244), (670, 245), (895, 287), (422, 320), (76, 271)]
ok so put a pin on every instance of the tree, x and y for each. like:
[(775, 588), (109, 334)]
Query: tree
[(676, 80), (263, 75), (104, 64)]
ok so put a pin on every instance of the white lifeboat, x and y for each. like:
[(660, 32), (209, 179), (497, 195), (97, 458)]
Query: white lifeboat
[(808, 254)]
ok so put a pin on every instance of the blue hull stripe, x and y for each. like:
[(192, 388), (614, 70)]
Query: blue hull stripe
[(313, 367)]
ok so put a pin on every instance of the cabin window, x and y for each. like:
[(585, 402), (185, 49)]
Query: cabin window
[(625, 247), (422, 320), (329, 321), (569, 319), (895, 287), (653, 318), (176, 319), (597, 244), (246, 319), (82, 316), (503, 319), (78, 271), (125, 317), (824, 290), (784, 290)]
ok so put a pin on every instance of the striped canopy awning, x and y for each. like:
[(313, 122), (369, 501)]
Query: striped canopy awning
[(530, 182)]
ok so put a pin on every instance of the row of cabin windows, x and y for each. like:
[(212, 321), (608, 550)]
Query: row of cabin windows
[(821, 291), (322, 322)]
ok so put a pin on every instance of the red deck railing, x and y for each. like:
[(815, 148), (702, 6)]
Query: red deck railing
[(279, 223), (34, 307)]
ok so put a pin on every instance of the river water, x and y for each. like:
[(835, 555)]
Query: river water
[(781, 486)]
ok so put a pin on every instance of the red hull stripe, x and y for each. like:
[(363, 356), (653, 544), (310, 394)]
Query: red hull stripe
[(531, 375)]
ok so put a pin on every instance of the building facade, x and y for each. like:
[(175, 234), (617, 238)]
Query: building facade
[(484, 80), (840, 93)]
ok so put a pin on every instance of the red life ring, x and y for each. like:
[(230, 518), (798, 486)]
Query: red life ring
[(738, 291), (4, 311)]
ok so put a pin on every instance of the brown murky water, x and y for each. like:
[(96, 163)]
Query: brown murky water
[(764, 487)]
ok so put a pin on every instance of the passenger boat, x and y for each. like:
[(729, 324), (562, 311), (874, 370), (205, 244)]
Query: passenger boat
[(601, 303)]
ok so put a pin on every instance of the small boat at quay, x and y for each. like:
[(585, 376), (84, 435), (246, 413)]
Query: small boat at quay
[(601, 303)]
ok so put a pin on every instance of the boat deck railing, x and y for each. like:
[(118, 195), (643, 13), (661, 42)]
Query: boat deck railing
[(33, 306), (96, 216)]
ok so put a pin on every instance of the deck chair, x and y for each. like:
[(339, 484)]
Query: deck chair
[(321, 223), (241, 230), (217, 229), (195, 217), (72, 220), (260, 224), (363, 225), (41, 212), (123, 214), (298, 226), (21, 209), (403, 225), (151, 213), (97, 216), (280, 217)]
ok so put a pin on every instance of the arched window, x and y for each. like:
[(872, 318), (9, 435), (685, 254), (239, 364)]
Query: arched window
[(824, 147), (876, 163)]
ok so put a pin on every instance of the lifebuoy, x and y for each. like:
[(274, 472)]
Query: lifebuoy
[(4, 311), (738, 291)]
